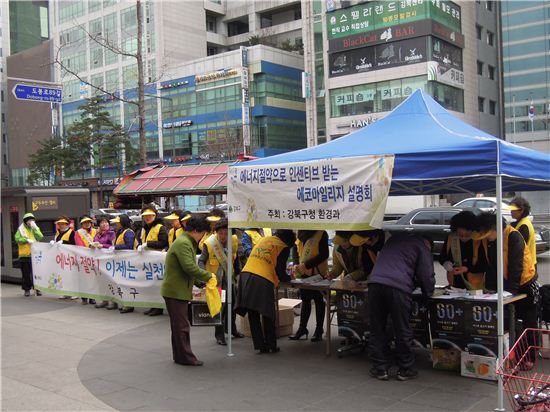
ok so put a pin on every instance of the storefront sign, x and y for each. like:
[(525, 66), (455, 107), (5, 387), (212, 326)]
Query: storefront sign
[(445, 74), (401, 53), (345, 194), (220, 74), (179, 123), (399, 32), (44, 203), (377, 15), (445, 53)]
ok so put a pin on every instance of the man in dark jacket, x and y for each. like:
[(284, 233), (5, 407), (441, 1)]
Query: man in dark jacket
[(404, 262)]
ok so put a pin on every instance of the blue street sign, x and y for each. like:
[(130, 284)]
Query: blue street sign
[(37, 93)]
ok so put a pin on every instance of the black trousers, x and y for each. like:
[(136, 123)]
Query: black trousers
[(180, 326), (262, 338), (221, 330), (307, 296), (527, 311), (385, 301), (27, 282)]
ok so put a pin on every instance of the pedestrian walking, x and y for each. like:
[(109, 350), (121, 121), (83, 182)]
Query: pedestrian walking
[(181, 272), (265, 267), (404, 262), (27, 234)]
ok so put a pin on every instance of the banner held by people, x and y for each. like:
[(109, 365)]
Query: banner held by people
[(339, 194), (127, 277)]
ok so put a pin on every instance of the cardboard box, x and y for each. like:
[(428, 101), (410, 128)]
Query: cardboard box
[(286, 318), (446, 359), (476, 366)]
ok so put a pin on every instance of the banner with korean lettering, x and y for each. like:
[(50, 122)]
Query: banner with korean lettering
[(339, 194), (127, 277)]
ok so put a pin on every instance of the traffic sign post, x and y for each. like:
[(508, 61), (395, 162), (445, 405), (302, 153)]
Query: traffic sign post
[(37, 93)]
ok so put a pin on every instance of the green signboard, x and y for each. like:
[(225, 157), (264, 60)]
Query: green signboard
[(375, 15)]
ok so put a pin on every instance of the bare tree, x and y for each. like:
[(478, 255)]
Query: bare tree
[(109, 45)]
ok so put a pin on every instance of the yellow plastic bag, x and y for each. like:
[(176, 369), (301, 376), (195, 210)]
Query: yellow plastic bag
[(213, 299)]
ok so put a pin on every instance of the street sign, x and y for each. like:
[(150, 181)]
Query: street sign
[(37, 93)]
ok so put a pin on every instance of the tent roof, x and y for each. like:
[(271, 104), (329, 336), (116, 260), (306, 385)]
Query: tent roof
[(175, 180), (435, 152)]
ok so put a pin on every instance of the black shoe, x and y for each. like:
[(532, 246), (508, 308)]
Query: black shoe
[(300, 333), (406, 374), (84, 301), (318, 335), (112, 306), (27, 293), (221, 342), (156, 312), (91, 301), (148, 311), (101, 304), (237, 335), (126, 309), (380, 374), (37, 293), (275, 350)]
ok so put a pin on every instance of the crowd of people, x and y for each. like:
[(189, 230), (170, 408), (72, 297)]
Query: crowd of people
[(393, 267)]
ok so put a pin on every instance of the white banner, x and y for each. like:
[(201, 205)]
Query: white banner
[(128, 277), (339, 194)]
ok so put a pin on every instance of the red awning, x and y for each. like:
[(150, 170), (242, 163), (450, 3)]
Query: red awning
[(175, 180)]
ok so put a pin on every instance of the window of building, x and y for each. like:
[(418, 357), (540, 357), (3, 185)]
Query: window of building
[(479, 31), (44, 28), (95, 27), (480, 68), (211, 50), (492, 107), (481, 104), (111, 80), (489, 5), (3, 137), (211, 23), (2, 94), (128, 18), (491, 72), (5, 159), (3, 117), (490, 38)]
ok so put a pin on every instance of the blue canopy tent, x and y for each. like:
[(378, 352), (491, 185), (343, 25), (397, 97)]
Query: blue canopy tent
[(436, 153)]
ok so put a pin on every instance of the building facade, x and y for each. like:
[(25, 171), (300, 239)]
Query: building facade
[(379, 52), (29, 25)]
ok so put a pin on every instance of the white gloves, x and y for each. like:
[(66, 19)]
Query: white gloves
[(30, 241), (110, 250), (33, 225), (141, 248), (52, 242), (60, 242), (448, 266)]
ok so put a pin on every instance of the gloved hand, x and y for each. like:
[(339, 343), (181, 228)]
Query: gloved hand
[(144, 245), (33, 225), (60, 242), (448, 266), (52, 242), (31, 241), (110, 250), (140, 248)]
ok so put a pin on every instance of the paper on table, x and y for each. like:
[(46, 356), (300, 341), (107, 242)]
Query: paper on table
[(490, 296), (310, 280)]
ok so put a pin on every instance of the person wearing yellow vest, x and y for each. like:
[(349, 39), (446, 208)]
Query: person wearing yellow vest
[(251, 237), (519, 271), (176, 218), (27, 233), (462, 257), (65, 234), (86, 233), (310, 257), (352, 261), (261, 274), (213, 217), (125, 239), (214, 259), (153, 236), (520, 210)]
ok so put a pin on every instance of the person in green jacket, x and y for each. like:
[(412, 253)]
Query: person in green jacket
[(180, 273), (27, 233)]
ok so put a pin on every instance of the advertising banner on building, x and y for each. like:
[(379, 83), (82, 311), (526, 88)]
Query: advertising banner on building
[(442, 73), (377, 15), (339, 194), (130, 278), (445, 53), (400, 53)]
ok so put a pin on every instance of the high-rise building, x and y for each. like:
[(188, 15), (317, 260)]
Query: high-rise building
[(526, 67), (4, 52), (379, 52), (29, 25)]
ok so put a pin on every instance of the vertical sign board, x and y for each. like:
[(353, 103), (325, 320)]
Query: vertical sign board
[(245, 96), (420, 319), (480, 327), (447, 323), (353, 315)]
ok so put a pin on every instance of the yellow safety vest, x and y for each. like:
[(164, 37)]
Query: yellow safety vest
[(153, 234), (66, 236), (528, 266), (25, 248), (213, 264), (263, 259), (120, 239), (84, 234), (310, 250), (475, 280), (201, 243), (532, 243), (255, 235), (174, 234)]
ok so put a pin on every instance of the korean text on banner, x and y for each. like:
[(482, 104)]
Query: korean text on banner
[(127, 277), (339, 194)]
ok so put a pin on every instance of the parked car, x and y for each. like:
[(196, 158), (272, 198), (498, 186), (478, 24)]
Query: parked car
[(486, 204), (431, 221), (542, 237)]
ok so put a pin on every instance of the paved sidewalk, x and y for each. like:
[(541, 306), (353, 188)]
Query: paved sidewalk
[(60, 355)]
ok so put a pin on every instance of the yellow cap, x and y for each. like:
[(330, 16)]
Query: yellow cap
[(213, 218), (357, 240), (62, 220), (173, 216), (186, 218), (480, 235), (115, 220), (85, 219), (513, 207), (148, 212), (338, 240)]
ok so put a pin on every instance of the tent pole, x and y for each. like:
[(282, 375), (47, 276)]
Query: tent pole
[(500, 288), (229, 293)]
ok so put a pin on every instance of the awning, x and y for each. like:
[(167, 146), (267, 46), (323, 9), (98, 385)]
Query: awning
[(199, 179)]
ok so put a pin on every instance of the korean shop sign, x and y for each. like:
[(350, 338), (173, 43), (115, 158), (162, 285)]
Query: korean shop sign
[(44, 203)]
